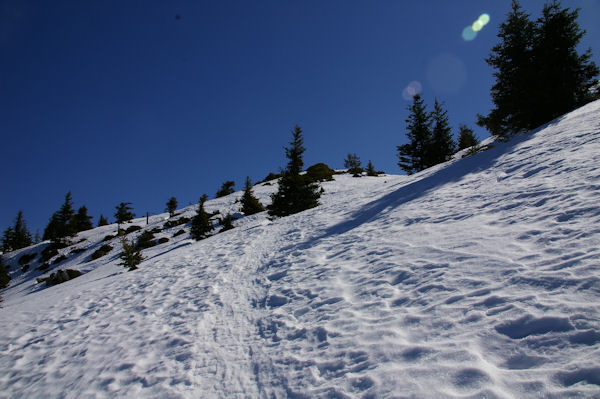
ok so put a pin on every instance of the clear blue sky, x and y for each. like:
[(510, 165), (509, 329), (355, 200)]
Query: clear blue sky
[(143, 100)]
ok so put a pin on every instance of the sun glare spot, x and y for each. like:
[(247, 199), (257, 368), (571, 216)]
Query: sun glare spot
[(412, 90), (468, 33), (484, 19), (477, 25)]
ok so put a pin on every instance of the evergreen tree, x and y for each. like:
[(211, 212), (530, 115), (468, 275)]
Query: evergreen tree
[(442, 146), (250, 204), (102, 221), (226, 222), (37, 238), (352, 163), (466, 137), (201, 224), (371, 169), (296, 192), (123, 213), (131, 257), (226, 189), (564, 80), (171, 206), (81, 220), (4, 276), (412, 157), (17, 236), (512, 91)]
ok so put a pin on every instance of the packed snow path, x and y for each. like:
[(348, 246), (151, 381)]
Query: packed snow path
[(476, 278)]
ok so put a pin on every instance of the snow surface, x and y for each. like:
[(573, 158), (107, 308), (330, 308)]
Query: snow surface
[(478, 278)]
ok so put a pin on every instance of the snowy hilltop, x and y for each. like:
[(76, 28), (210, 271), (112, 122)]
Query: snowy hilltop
[(476, 278)]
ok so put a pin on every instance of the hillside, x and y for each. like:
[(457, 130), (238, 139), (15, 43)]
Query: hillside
[(476, 278)]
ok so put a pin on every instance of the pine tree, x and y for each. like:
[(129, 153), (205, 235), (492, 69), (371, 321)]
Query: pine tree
[(352, 163), (102, 221), (226, 222), (4, 276), (442, 146), (412, 157), (512, 59), (371, 169), (563, 79), (131, 257), (123, 213), (17, 236), (171, 206), (226, 189), (250, 204), (201, 224), (296, 192), (466, 137), (81, 220)]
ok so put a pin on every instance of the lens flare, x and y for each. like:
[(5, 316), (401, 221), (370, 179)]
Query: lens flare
[(477, 26), (412, 90), (484, 19), (468, 33)]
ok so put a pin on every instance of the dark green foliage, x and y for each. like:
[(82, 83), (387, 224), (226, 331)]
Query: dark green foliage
[(43, 266), (296, 192), (442, 146), (4, 276), (102, 221), (466, 137), (81, 220), (17, 236), (59, 259), (24, 268), (100, 252), (272, 176), (123, 212), (61, 223), (226, 189), (52, 250), (226, 222), (320, 172), (539, 74), (25, 259), (145, 240), (131, 256), (108, 238), (371, 169), (133, 228), (250, 204), (60, 276), (163, 240), (171, 206), (352, 163), (201, 224), (178, 233), (412, 157), (176, 222)]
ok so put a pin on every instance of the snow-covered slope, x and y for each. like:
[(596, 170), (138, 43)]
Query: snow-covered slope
[(479, 278)]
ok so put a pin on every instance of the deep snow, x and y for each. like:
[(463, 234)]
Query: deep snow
[(478, 278)]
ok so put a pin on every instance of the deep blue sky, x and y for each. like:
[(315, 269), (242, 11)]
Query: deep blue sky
[(143, 100)]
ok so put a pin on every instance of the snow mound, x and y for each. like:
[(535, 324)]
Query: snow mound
[(475, 278)]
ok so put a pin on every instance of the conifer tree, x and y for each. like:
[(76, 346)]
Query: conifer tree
[(131, 256), (17, 236), (512, 59), (466, 137), (442, 146), (296, 192), (226, 189), (81, 220), (4, 276), (171, 206), (102, 221), (123, 212), (352, 163), (412, 157), (226, 222), (201, 224), (250, 204), (563, 79), (371, 169)]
